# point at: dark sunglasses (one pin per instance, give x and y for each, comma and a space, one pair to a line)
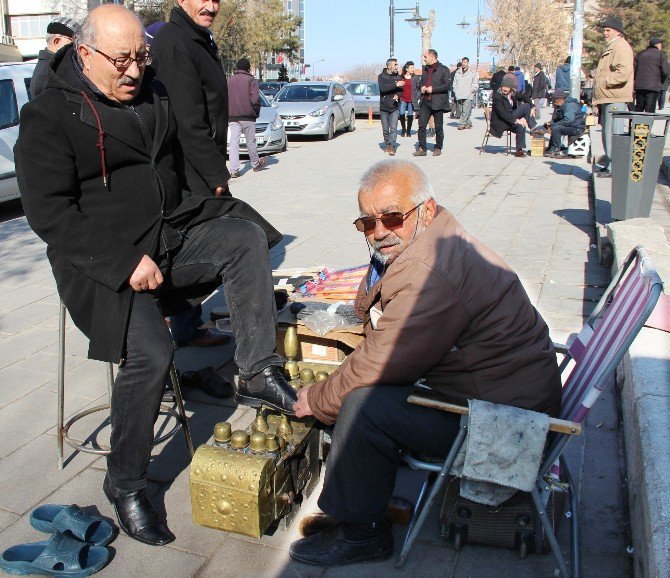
391, 220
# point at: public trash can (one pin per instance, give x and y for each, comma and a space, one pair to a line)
636, 157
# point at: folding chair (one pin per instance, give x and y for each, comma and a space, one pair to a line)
589, 362
487, 134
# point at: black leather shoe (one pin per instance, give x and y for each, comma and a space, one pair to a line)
137, 517
269, 387
332, 548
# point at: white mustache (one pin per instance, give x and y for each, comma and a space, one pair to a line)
386, 243
127, 80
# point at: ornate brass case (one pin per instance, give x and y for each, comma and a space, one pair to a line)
242, 491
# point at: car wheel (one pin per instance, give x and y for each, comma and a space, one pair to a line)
285, 147
351, 127
330, 129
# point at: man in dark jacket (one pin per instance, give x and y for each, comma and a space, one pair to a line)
187, 62
390, 91
651, 71
60, 32
244, 106
539, 90
512, 111
568, 119
563, 76
123, 232
435, 89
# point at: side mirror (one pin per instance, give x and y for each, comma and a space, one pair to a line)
337, 97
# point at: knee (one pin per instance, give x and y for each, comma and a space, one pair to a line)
159, 353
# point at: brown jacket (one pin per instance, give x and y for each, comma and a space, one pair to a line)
454, 313
613, 81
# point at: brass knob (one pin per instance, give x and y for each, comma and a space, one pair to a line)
292, 369
260, 424
284, 428
239, 439
321, 376
222, 431
291, 343
257, 442
271, 443
306, 375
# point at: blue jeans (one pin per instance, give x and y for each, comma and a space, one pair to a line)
406, 108
389, 126
557, 131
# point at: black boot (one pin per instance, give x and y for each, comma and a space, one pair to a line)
402, 124
268, 387
410, 120
137, 517
337, 546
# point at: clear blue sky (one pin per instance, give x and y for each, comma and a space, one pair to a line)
349, 32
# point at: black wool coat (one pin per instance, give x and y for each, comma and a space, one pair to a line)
187, 62
651, 69
97, 232
441, 82
501, 115
388, 91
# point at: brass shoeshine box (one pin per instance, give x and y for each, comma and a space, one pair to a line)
246, 491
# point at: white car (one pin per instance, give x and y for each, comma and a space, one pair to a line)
14, 93
270, 134
315, 108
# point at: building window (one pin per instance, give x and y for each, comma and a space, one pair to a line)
30, 26
289, 6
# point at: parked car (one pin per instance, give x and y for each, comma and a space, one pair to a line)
270, 134
366, 95
485, 93
14, 93
315, 108
271, 88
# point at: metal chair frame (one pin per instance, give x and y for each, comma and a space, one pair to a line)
63, 428
578, 397
487, 134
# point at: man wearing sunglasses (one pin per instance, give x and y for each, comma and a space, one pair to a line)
437, 305
129, 244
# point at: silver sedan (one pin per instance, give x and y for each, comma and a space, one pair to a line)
315, 108
270, 135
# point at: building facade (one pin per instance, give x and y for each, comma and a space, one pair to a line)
294, 67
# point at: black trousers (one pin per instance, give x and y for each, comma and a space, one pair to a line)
522, 111
234, 251
425, 112
374, 424
646, 100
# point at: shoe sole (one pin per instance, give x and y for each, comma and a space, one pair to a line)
125, 530
385, 555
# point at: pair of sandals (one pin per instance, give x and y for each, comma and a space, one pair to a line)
77, 547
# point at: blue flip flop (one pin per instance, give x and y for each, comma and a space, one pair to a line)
72, 521
61, 555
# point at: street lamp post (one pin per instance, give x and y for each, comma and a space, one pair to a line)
465, 24
392, 12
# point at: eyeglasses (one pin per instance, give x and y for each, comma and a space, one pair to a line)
123, 62
391, 220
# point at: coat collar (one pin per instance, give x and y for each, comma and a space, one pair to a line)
198, 33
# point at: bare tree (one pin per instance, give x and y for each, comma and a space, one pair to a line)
529, 31
362, 72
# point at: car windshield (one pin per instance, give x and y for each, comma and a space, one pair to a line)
303, 93
485, 85
269, 87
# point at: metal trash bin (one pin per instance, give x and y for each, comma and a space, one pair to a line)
636, 158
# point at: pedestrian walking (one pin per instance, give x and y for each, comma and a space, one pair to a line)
435, 88
651, 71
539, 90
613, 83
243, 109
465, 86
390, 90
406, 106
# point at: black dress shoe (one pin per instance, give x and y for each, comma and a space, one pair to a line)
332, 548
269, 387
604, 174
137, 517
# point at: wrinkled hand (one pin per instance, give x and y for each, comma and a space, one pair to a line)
147, 276
429, 89
301, 407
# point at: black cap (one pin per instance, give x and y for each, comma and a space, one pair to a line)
243, 64
510, 69
560, 93
63, 26
613, 22
655, 41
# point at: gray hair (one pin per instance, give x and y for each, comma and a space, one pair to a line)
387, 171
390, 60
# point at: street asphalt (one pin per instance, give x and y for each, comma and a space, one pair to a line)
535, 212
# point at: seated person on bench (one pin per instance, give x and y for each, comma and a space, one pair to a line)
513, 111
439, 305
568, 119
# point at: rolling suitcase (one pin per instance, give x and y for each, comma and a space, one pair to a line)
513, 524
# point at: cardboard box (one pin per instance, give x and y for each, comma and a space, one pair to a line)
537, 144
331, 348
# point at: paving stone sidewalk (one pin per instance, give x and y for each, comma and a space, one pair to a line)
535, 212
